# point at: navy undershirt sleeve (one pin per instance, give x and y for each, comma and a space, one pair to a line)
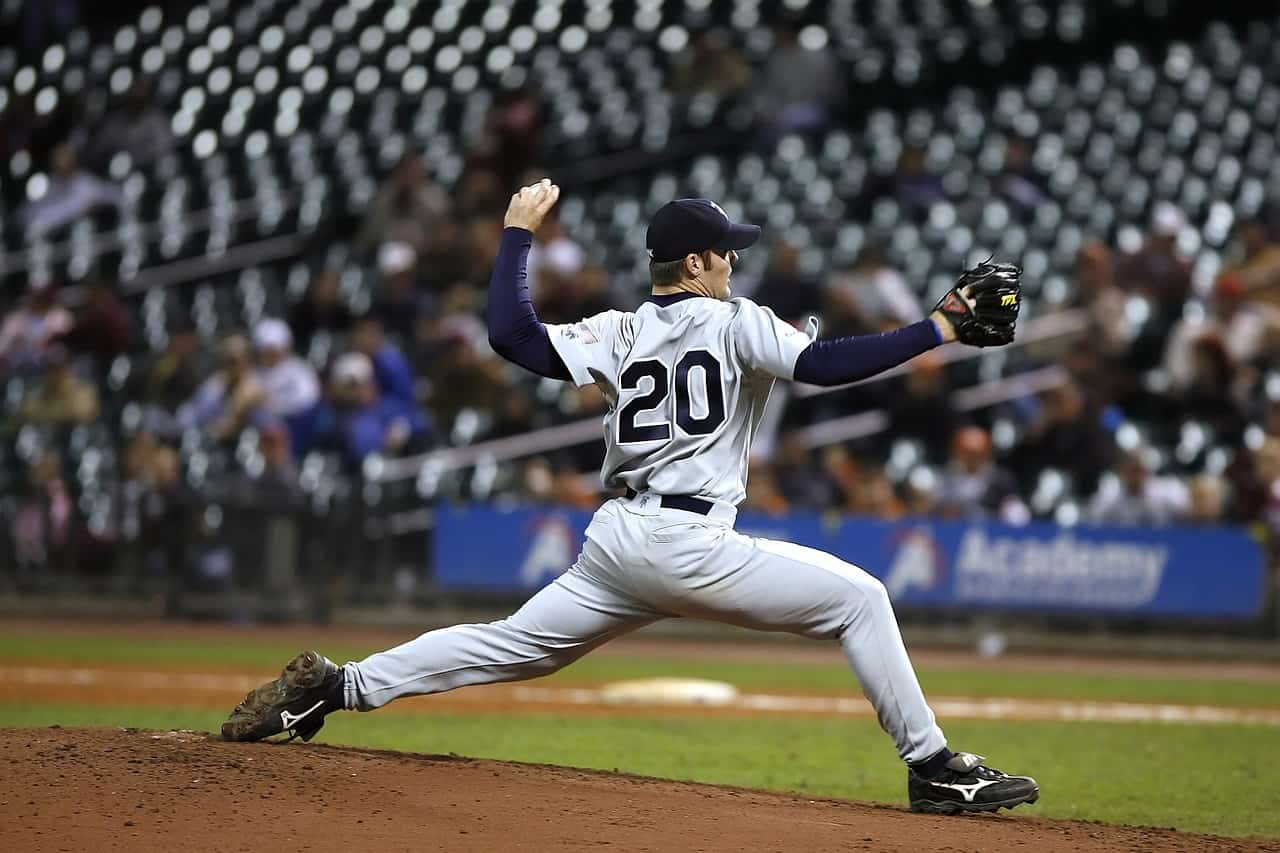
843, 360
515, 332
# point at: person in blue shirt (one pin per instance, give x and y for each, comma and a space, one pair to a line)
391, 368
368, 420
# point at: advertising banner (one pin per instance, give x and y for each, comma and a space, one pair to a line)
1216, 573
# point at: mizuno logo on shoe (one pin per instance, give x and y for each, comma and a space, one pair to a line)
289, 721
967, 791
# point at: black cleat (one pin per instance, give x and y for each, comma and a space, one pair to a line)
967, 785
296, 702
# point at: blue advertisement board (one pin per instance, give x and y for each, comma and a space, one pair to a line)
1214, 573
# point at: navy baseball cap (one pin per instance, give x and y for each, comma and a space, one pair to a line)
691, 225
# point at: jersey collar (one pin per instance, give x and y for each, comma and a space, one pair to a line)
670, 298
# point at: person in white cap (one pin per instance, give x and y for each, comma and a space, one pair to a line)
291, 385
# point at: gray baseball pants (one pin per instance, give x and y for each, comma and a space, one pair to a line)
641, 563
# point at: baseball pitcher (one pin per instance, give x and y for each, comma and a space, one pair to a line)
686, 376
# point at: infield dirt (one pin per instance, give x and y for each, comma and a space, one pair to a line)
125, 789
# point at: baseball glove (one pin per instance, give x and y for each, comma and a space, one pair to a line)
983, 305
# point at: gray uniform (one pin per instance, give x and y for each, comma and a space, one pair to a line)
686, 384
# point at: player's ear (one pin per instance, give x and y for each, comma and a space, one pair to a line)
692, 264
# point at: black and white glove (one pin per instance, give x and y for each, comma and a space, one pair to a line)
983, 305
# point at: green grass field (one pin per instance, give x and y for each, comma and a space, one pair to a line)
1128, 773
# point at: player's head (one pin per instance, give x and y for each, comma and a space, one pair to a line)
693, 245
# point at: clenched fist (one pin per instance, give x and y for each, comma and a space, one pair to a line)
529, 206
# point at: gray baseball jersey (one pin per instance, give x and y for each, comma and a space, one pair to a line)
686, 385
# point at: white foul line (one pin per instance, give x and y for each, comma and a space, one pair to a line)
949, 707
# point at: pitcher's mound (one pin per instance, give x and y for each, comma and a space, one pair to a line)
88, 789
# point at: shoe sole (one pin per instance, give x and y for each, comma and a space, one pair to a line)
260, 720
950, 807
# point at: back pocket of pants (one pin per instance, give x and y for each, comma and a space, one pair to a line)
681, 532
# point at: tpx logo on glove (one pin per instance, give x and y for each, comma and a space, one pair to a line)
1009, 299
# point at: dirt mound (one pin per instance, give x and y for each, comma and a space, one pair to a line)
79, 789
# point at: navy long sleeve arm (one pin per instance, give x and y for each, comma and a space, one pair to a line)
842, 360
515, 333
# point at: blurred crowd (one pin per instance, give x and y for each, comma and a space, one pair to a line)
1167, 408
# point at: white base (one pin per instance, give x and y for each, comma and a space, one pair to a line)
670, 691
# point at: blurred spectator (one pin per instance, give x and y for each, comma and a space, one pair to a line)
763, 494
391, 369
101, 326
477, 255
870, 297
1158, 270
555, 259
1213, 393
920, 406
228, 400
458, 316
845, 473
572, 489
537, 480
479, 192
710, 65
921, 492
1135, 497
973, 486
291, 389
512, 135
800, 485
276, 484
1067, 434
1254, 261
28, 331
162, 508
567, 299
915, 186
877, 497
515, 413
138, 127
1096, 292
370, 421
465, 375
398, 304
322, 309
44, 526
592, 292
1018, 182
175, 374
1247, 330
62, 399
406, 208
446, 258
798, 87
1207, 496
860, 489
786, 288
72, 193
1096, 356
557, 484
1246, 476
